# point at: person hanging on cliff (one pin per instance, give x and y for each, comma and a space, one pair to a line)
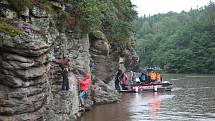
64, 64
84, 87
117, 79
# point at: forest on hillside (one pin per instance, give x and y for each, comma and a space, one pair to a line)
178, 42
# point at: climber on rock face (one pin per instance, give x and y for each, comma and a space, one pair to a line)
84, 87
64, 64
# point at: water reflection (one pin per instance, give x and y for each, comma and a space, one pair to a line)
147, 105
155, 105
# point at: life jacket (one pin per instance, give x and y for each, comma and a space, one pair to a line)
158, 77
153, 76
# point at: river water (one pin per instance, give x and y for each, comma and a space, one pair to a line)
191, 99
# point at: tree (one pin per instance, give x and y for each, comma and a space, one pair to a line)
178, 43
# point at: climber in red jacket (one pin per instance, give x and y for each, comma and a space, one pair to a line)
84, 87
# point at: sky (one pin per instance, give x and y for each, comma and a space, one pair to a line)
151, 7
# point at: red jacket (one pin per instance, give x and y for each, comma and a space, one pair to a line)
85, 83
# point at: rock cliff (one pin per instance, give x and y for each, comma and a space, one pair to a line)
103, 65
30, 83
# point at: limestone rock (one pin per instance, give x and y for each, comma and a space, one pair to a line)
14, 57
39, 12
131, 58
24, 66
10, 14
5, 10
32, 72
99, 43
25, 45
25, 12
56, 4
10, 81
104, 66
105, 93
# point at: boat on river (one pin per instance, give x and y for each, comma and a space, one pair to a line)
155, 87
143, 80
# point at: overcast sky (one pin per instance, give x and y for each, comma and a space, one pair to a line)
151, 7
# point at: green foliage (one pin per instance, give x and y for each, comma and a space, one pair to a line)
117, 22
97, 35
112, 17
20, 5
47, 6
178, 43
9, 29
89, 14
61, 21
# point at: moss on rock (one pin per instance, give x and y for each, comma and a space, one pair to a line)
98, 35
9, 29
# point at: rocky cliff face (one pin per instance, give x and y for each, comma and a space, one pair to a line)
30, 83
64, 105
104, 64
24, 75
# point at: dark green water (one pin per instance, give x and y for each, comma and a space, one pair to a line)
192, 99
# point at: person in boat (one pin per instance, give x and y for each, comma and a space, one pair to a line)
131, 77
137, 80
124, 81
117, 79
149, 74
158, 77
84, 87
153, 76
143, 78
64, 65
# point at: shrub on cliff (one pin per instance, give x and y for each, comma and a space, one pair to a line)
88, 14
